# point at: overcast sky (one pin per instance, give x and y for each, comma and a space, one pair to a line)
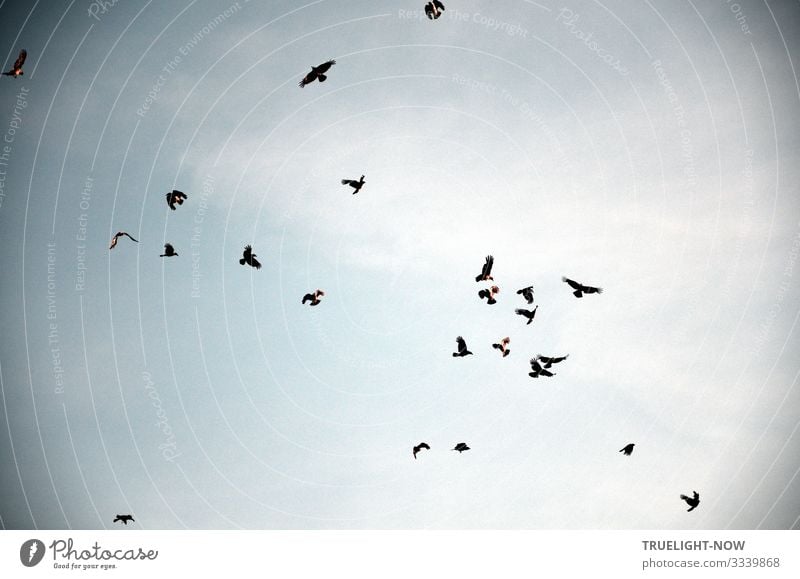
650, 148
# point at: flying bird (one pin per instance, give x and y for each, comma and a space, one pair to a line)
419, 447
537, 370
527, 293
461, 447
16, 70
489, 294
503, 346
356, 185
249, 258
530, 314
176, 197
581, 289
169, 251
486, 272
692, 502
314, 298
627, 449
124, 519
117, 235
434, 9
317, 73
462, 348
550, 361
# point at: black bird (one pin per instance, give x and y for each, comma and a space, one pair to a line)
356, 185
176, 197
124, 519
503, 346
462, 348
16, 70
169, 251
249, 258
527, 293
314, 298
461, 447
486, 272
537, 370
117, 235
489, 294
434, 9
530, 314
550, 361
317, 73
419, 447
692, 502
581, 289
627, 449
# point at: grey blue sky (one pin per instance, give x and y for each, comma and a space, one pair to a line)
651, 148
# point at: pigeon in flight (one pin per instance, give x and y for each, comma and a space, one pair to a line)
124, 519
176, 197
627, 449
16, 70
530, 314
317, 73
462, 348
581, 289
116, 237
249, 258
489, 294
314, 298
550, 361
537, 370
486, 272
356, 185
503, 346
691, 501
434, 9
527, 293
169, 251
419, 447
461, 447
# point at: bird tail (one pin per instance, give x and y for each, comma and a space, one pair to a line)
241, 261
506, 353
322, 78
455, 355
578, 293
497, 346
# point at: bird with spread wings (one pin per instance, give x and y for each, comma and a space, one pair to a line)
249, 258
317, 73
462, 348
16, 70
581, 289
486, 272
176, 197
116, 237
434, 9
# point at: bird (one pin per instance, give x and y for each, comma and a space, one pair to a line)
317, 73
249, 258
489, 294
503, 346
356, 185
314, 298
527, 293
461, 447
581, 289
530, 314
434, 9
537, 370
419, 447
16, 70
462, 348
124, 519
169, 251
486, 272
627, 449
692, 502
117, 235
176, 197
550, 361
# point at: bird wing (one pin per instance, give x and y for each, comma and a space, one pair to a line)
23, 54
429, 10
349, 182
309, 78
521, 312
255, 263
462, 345
323, 68
487, 266
592, 290
128, 235
168, 248
438, 4
573, 284
424, 445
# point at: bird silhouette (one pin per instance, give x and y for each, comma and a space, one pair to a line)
530, 314
249, 258
503, 346
16, 70
486, 272
176, 197
434, 9
169, 251
461, 447
317, 73
692, 502
116, 237
537, 370
462, 348
581, 289
627, 449
489, 294
124, 519
356, 185
527, 293
550, 361
314, 297
419, 447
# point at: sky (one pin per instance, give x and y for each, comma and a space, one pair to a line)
651, 149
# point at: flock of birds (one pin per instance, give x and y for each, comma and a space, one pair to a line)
540, 365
